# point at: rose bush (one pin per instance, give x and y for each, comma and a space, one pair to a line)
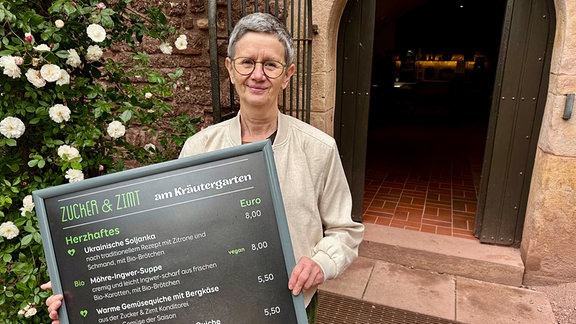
66, 111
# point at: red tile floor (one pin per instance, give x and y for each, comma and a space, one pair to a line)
424, 175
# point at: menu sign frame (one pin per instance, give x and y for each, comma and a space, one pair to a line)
202, 239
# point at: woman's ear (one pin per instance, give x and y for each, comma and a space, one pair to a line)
289, 72
228, 64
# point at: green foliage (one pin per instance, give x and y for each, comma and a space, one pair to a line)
38, 35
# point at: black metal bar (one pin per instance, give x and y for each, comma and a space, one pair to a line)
229, 16
285, 98
231, 92
307, 107
304, 60
214, 73
276, 8
290, 98
299, 61
277, 11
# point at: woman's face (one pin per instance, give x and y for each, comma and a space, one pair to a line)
256, 89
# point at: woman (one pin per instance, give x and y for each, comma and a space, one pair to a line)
313, 184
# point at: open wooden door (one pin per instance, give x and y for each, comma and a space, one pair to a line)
518, 103
354, 66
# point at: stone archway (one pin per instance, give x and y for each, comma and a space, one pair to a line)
550, 224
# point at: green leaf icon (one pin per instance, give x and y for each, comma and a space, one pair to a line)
84, 313
71, 252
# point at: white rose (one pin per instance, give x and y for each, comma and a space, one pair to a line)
10, 65
27, 205
166, 49
96, 33
13, 71
116, 129
68, 152
73, 58
9, 230
6, 60
59, 23
42, 48
50, 72
12, 127
181, 43
64, 78
30, 312
35, 78
59, 113
94, 53
148, 95
74, 175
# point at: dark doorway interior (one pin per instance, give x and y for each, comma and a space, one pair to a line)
432, 80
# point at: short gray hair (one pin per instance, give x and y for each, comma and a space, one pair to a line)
262, 22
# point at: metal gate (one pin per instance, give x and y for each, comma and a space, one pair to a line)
297, 16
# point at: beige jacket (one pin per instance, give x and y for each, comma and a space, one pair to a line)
314, 189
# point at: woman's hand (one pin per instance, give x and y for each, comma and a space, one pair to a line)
305, 275
53, 302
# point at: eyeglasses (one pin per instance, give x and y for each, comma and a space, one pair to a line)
245, 66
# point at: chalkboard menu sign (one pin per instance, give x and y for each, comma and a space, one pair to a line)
202, 239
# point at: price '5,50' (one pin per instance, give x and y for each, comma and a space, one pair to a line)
272, 311
265, 278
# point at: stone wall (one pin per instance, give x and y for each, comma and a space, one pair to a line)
548, 246
189, 17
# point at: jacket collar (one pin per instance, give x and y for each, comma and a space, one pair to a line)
235, 130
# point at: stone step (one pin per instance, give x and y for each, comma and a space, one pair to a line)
387, 291
455, 279
443, 254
